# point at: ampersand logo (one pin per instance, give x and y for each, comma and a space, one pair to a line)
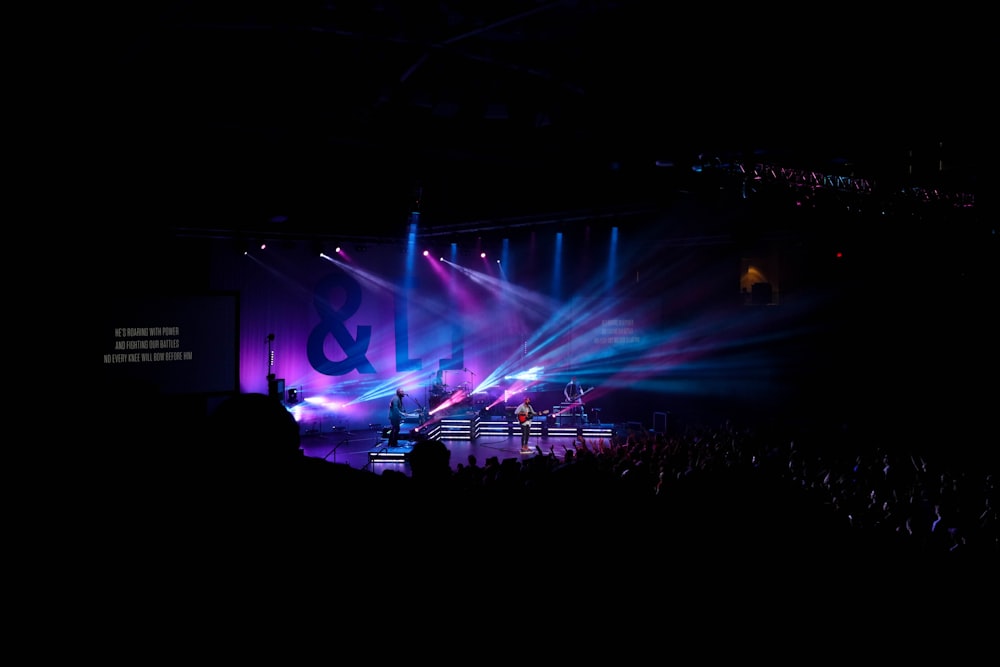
332, 323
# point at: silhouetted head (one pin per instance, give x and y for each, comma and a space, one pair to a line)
430, 459
254, 425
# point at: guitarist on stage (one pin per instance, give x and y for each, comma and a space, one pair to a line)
574, 394
525, 413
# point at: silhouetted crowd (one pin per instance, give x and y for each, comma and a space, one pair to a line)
899, 500
707, 490
764, 490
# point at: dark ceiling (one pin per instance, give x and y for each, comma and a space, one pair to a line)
343, 118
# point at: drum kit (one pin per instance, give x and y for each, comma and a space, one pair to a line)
441, 393
445, 392
461, 394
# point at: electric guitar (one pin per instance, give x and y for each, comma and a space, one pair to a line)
523, 417
579, 398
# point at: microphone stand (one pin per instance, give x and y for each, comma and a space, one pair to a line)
335, 448
270, 362
420, 408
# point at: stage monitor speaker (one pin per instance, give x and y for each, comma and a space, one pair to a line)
276, 388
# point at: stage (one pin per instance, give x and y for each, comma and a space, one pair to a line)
459, 428
464, 435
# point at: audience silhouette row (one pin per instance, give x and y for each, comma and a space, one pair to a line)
699, 491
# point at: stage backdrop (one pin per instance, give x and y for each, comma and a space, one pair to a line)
644, 325
342, 332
